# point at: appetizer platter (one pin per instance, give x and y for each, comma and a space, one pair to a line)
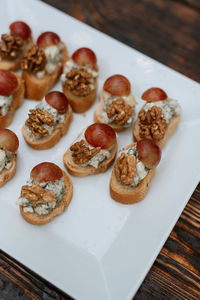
102, 220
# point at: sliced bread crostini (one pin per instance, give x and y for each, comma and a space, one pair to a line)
117, 104
92, 152
11, 96
42, 65
133, 171
48, 122
46, 195
158, 119
14, 44
9, 144
79, 79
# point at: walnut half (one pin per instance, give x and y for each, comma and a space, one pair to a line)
78, 81
36, 194
10, 45
125, 168
152, 123
34, 60
122, 111
81, 153
36, 118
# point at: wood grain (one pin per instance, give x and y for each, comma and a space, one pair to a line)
168, 31
176, 271
18, 282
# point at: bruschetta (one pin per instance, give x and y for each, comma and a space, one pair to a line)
158, 119
42, 65
9, 144
79, 79
117, 104
133, 171
47, 193
14, 44
92, 152
11, 96
48, 121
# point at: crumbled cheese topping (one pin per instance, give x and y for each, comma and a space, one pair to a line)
44, 209
5, 159
58, 118
2, 159
170, 107
54, 56
141, 170
108, 99
28, 209
98, 158
57, 187
5, 103
71, 64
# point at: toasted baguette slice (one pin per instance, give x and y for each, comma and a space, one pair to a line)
18, 98
125, 193
50, 141
98, 119
79, 171
98, 111
6, 175
37, 88
14, 65
35, 219
171, 128
80, 104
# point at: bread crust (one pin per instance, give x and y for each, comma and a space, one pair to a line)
14, 65
35, 219
80, 104
50, 141
6, 175
37, 88
98, 111
18, 98
80, 171
126, 194
171, 128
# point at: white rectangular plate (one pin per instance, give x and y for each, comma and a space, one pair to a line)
99, 249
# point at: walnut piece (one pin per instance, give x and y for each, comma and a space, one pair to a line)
152, 123
10, 45
78, 82
36, 194
122, 111
36, 119
34, 60
81, 153
125, 168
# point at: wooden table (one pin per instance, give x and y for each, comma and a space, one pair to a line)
168, 31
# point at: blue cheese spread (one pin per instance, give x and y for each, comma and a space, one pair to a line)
108, 99
141, 170
5, 103
54, 56
5, 159
98, 158
57, 187
170, 107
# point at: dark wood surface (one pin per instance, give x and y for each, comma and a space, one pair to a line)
168, 31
